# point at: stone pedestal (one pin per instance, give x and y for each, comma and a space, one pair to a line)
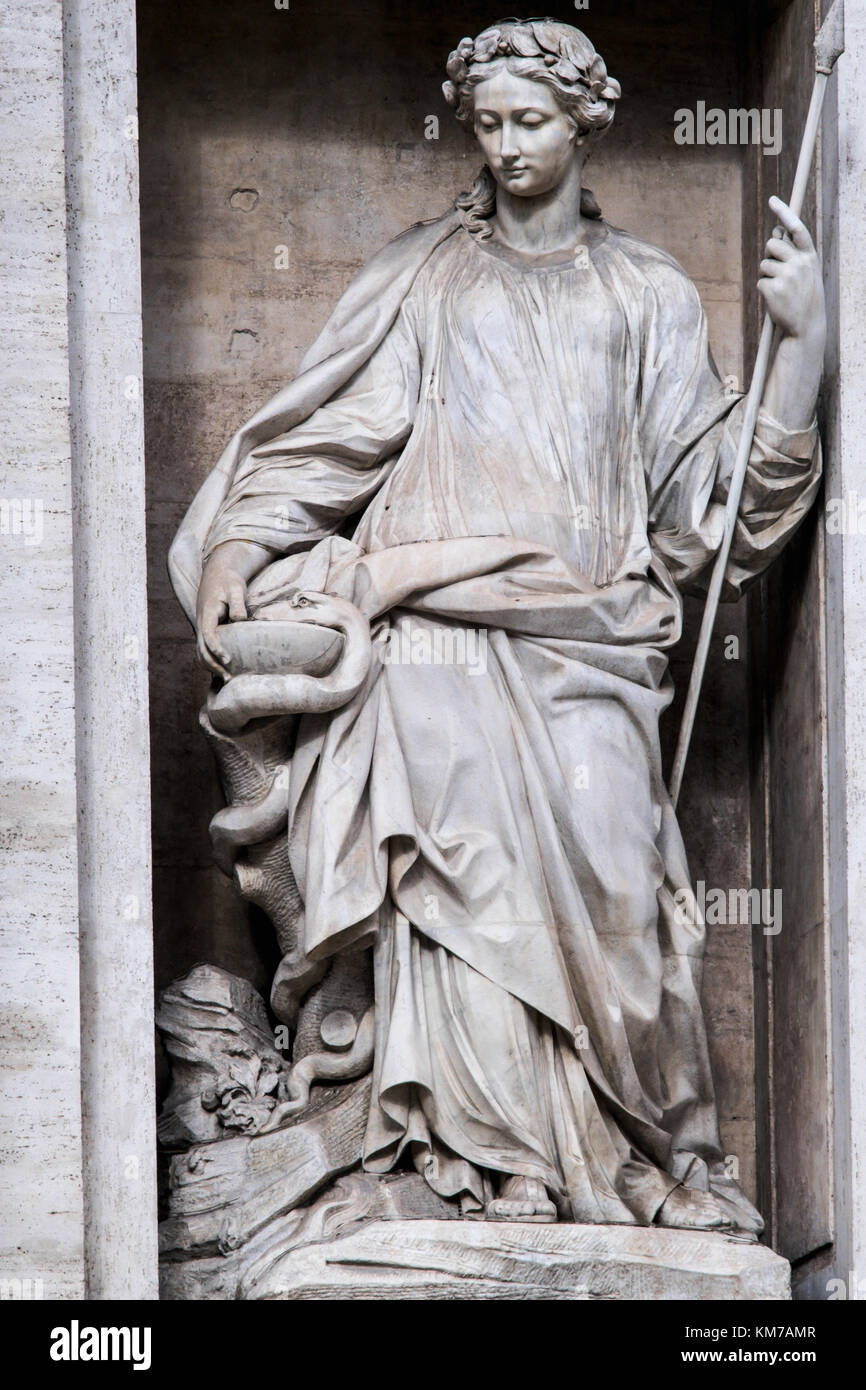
484, 1260
261, 1214
492, 1260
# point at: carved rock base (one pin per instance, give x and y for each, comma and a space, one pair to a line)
287, 1214
356, 1242
492, 1260
245, 1268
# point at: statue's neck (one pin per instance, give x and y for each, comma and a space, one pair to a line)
539, 226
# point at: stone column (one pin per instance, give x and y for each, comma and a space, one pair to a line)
843, 175
77, 1115
40, 1119
110, 573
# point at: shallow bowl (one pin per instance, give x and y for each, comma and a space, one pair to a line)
280, 648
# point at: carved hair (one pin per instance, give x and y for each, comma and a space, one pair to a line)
543, 50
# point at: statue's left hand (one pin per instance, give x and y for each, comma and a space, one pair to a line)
222, 596
790, 281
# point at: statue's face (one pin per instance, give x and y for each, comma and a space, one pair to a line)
528, 141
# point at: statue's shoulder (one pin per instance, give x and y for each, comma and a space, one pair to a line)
373, 298
414, 245
650, 264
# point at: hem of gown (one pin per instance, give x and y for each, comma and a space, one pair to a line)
479, 1195
573, 1145
439, 1149
640, 1208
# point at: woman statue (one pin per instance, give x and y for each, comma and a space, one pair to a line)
512, 426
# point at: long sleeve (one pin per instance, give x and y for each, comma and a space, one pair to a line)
294, 489
690, 431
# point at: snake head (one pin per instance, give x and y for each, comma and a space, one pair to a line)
326, 610
305, 599
304, 606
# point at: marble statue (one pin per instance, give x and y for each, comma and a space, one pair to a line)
437, 579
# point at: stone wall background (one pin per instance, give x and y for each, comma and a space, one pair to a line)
305, 128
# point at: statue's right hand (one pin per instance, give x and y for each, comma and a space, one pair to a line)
221, 595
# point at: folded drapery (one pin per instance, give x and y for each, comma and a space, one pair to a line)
539, 454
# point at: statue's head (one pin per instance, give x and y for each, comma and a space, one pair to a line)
536, 94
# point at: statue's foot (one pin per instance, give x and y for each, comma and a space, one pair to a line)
522, 1199
685, 1209
746, 1219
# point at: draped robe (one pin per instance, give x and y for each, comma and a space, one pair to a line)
535, 451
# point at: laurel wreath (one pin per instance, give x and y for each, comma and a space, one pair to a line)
535, 39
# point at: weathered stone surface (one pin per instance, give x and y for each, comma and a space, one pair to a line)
40, 1087
223, 1193
239, 1272
211, 1023
76, 1121
843, 174
488, 1260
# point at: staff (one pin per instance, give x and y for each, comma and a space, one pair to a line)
829, 44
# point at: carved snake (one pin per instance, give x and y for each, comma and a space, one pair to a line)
249, 696
324, 1066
